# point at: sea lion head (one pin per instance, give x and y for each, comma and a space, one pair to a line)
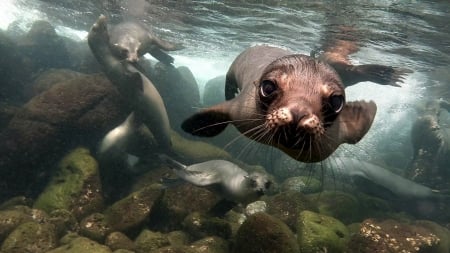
298, 105
258, 183
301, 98
127, 47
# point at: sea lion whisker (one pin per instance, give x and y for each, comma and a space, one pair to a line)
256, 129
226, 122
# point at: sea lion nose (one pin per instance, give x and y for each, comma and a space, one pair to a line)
311, 124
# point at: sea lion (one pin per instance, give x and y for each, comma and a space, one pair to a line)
145, 101
290, 101
394, 184
223, 178
130, 40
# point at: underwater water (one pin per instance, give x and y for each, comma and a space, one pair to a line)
387, 193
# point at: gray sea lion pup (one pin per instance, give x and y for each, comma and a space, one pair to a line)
224, 178
142, 96
290, 101
130, 40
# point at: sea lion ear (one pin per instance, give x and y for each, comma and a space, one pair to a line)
355, 120
207, 123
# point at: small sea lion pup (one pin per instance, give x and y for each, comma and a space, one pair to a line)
293, 102
130, 40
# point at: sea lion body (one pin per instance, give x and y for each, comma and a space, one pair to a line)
290, 101
130, 40
224, 178
140, 93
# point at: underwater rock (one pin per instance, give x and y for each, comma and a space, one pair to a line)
81, 244
179, 201
256, 207
263, 233
393, 236
441, 232
337, 204
212, 244
50, 77
199, 225
178, 238
149, 240
214, 91
16, 201
78, 111
64, 222
43, 48
287, 206
131, 211
95, 227
30, 237
7, 112
118, 240
321, 233
76, 186
302, 184
9, 220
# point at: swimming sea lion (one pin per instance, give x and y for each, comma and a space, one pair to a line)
396, 185
290, 101
130, 40
224, 178
142, 96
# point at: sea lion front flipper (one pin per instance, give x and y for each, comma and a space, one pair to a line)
209, 122
165, 45
384, 75
355, 120
161, 56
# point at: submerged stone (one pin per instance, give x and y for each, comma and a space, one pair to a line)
9, 220
262, 233
95, 227
31, 237
118, 240
302, 184
149, 240
81, 244
133, 210
321, 233
199, 225
76, 187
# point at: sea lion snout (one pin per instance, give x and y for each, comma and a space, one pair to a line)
296, 119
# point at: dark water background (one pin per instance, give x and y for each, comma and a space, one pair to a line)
409, 34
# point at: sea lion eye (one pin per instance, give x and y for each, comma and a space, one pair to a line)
336, 103
267, 88
267, 184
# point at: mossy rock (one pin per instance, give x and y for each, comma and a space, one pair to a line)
321, 233
11, 219
287, 205
149, 240
76, 187
81, 244
214, 244
131, 211
262, 233
64, 222
118, 240
441, 232
30, 237
199, 225
337, 204
95, 227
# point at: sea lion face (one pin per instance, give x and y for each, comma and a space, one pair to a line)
127, 48
301, 98
258, 183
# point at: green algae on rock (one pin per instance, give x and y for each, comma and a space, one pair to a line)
30, 237
95, 227
76, 186
9, 220
148, 240
287, 205
81, 244
200, 225
267, 234
131, 211
302, 184
337, 204
118, 240
321, 233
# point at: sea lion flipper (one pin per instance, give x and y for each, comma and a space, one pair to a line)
165, 45
381, 74
355, 120
207, 123
161, 56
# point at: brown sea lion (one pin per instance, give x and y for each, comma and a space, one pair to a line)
130, 40
142, 96
290, 101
